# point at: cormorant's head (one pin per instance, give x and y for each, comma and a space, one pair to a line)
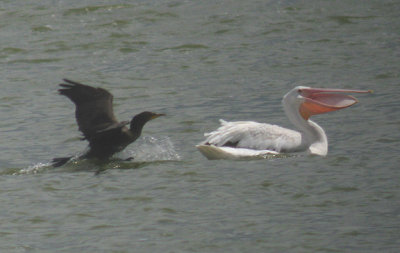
140, 119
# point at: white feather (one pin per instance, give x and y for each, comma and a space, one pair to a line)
254, 136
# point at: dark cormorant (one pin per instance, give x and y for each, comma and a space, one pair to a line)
96, 120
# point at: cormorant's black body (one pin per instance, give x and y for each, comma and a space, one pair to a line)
96, 120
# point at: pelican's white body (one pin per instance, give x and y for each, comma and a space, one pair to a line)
253, 140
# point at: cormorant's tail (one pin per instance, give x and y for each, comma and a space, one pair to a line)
60, 161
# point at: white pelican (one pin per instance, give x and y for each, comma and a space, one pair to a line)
243, 139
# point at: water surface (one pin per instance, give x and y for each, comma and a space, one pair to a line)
198, 61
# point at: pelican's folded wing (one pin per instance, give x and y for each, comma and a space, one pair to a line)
253, 135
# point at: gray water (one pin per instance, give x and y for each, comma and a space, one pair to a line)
198, 61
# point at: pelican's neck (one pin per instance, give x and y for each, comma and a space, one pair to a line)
313, 136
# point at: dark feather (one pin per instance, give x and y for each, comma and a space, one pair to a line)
94, 110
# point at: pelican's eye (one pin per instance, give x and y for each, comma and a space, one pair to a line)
299, 91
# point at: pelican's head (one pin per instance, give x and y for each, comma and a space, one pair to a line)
308, 101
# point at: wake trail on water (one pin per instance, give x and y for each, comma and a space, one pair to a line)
146, 150
33, 169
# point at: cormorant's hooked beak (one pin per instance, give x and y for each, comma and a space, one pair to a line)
318, 101
156, 115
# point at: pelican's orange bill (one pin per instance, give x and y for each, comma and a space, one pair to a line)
319, 100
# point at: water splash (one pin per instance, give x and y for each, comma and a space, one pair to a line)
150, 149
33, 169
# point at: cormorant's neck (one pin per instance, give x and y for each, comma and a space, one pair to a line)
136, 127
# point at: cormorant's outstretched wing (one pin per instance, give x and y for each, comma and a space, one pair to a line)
94, 110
